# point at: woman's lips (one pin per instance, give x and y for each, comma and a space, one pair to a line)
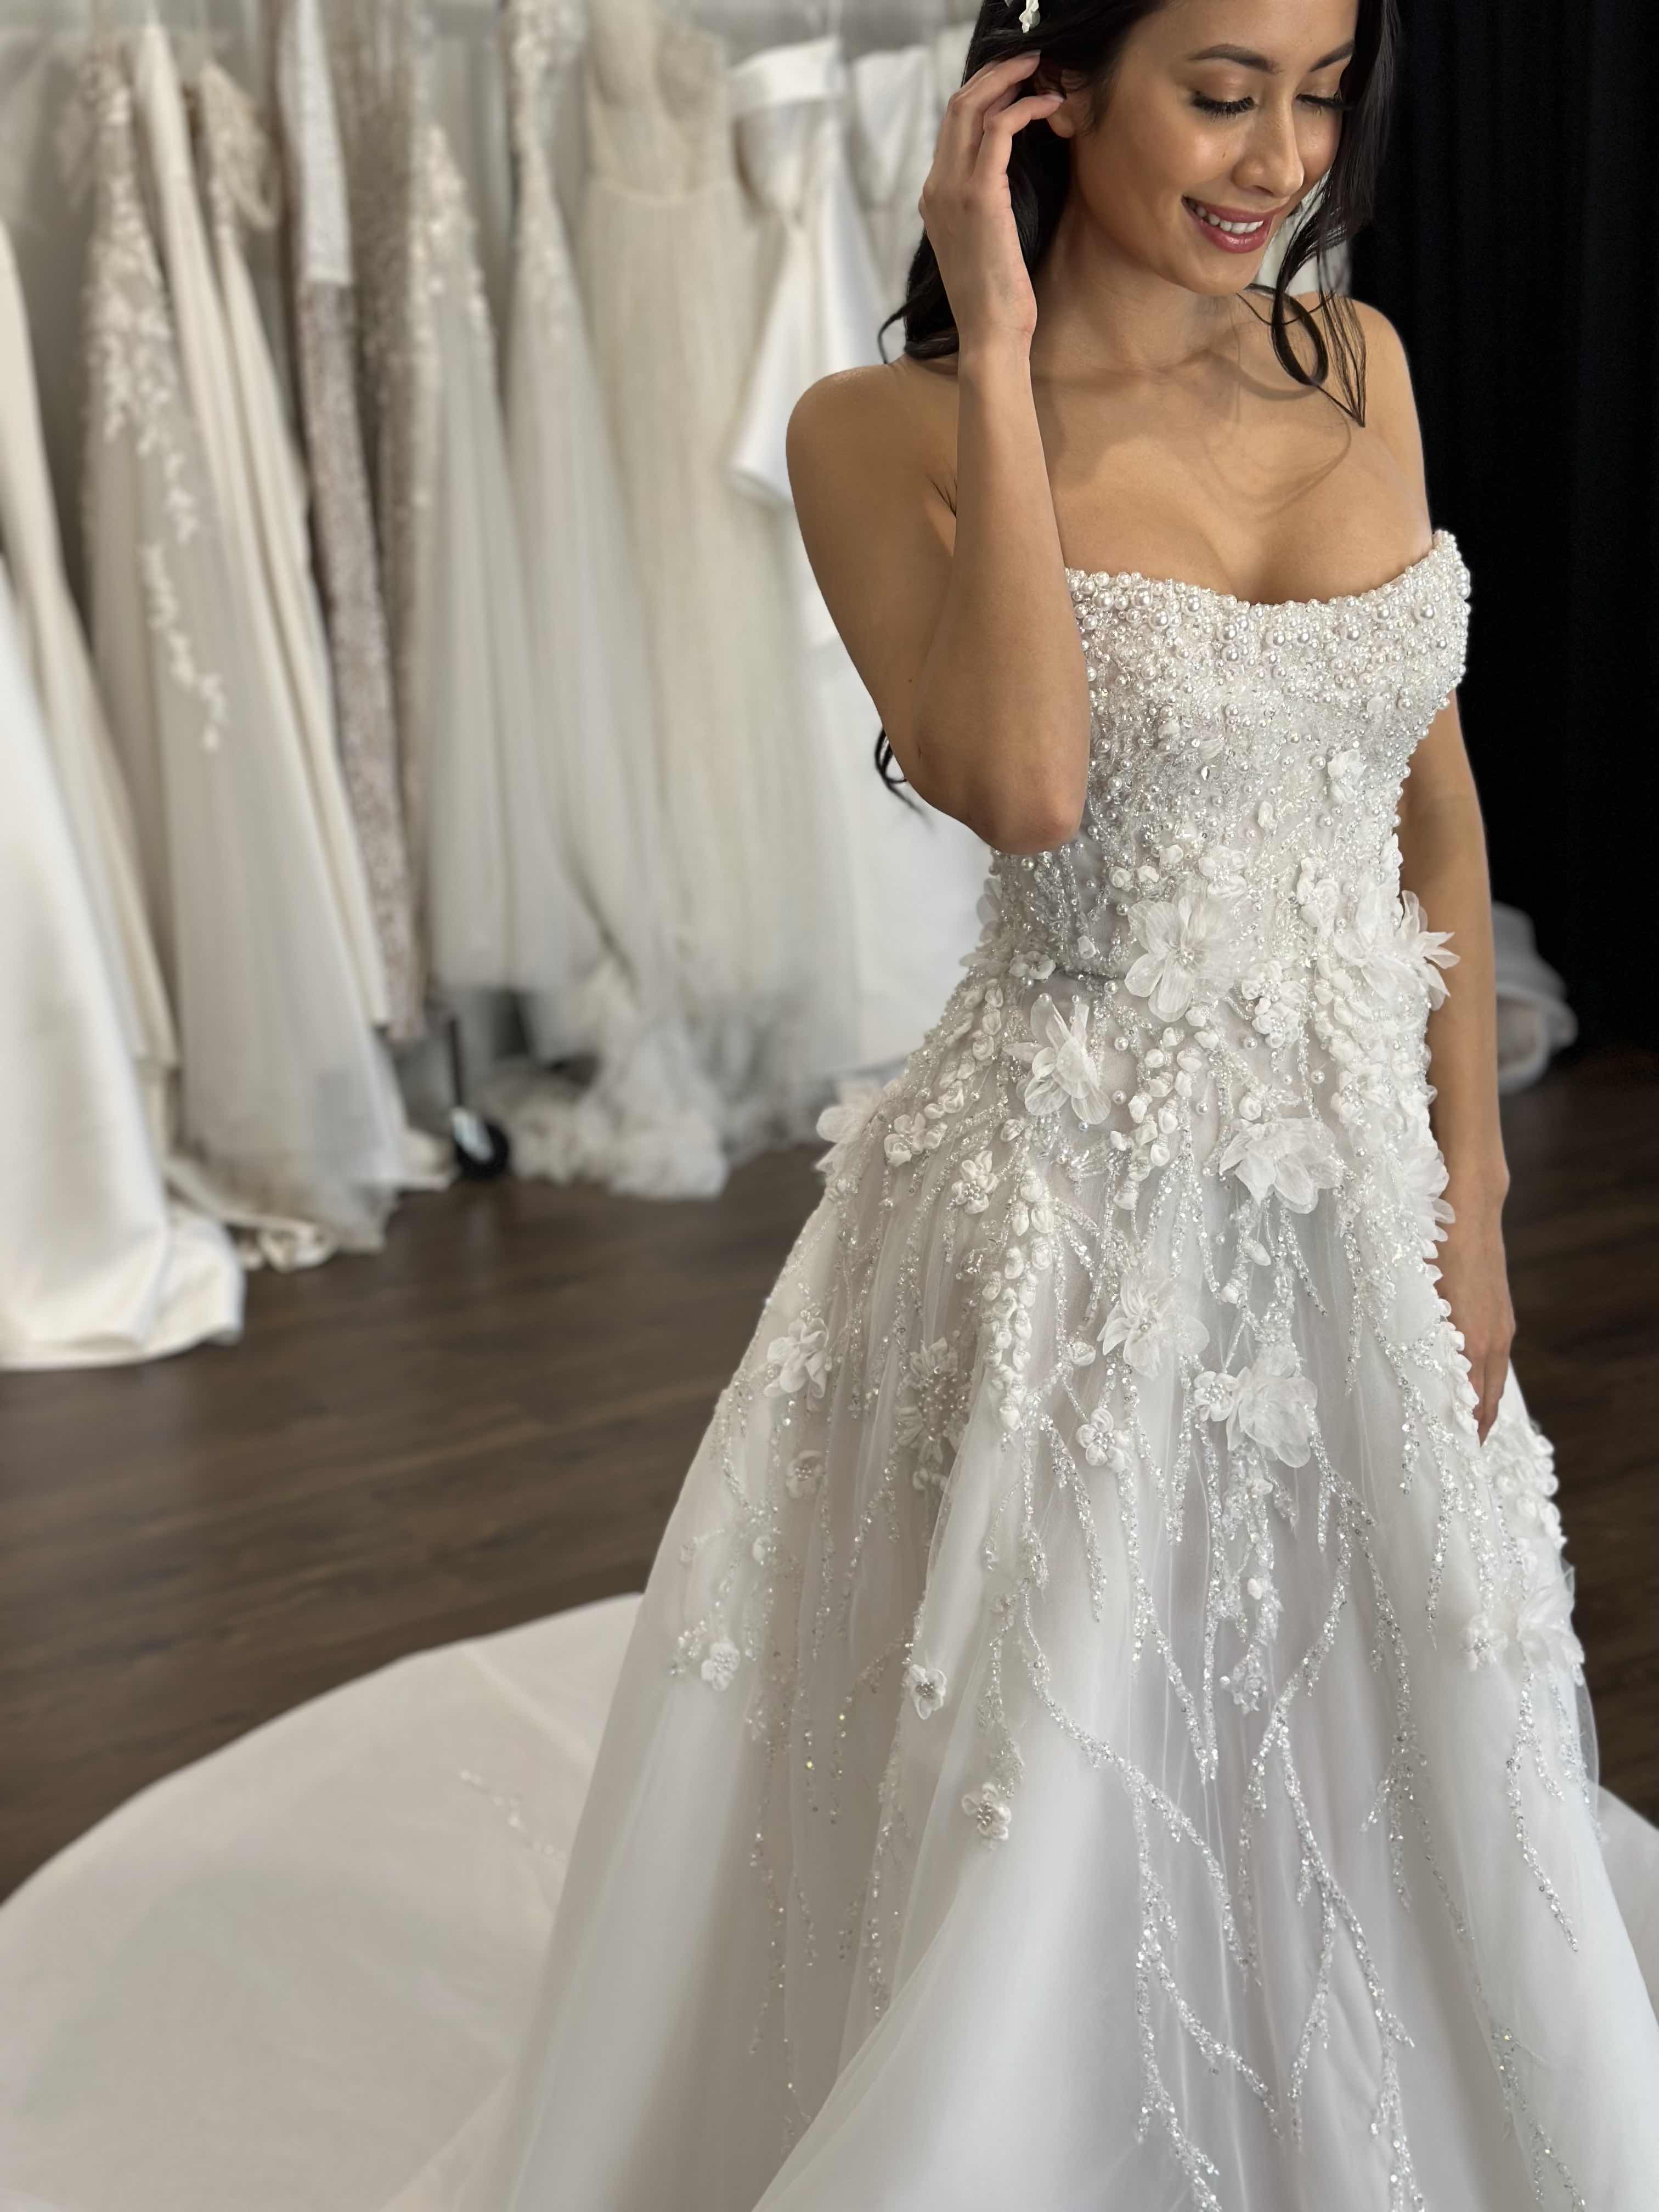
1247, 234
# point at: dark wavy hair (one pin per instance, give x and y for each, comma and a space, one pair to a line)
1083, 39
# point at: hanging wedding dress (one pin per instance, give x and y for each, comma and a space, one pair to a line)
257, 477
325, 356
93, 794
896, 119
501, 909
587, 630
285, 1122
647, 1124
96, 1267
1099, 1730
916, 874
755, 885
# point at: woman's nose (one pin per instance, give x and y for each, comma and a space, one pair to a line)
1273, 161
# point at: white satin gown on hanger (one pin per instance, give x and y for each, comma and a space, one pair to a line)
915, 873
96, 1266
88, 773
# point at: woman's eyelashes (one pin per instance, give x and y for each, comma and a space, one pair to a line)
1333, 105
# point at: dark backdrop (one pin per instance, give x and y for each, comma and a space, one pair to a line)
1515, 251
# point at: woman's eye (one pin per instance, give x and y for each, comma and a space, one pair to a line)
1333, 106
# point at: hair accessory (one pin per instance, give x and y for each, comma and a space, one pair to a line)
1030, 16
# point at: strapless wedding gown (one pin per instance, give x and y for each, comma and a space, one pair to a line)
1099, 1731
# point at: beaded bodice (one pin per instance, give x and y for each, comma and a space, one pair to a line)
1247, 762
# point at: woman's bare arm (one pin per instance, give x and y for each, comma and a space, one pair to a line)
960, 624
1444, 860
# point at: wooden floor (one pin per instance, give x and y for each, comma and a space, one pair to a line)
491, 1420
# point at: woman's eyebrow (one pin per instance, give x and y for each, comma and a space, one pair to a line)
1244, 56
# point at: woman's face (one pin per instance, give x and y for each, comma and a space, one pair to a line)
1221, 111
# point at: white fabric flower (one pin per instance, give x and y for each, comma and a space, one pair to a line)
804, 1472
912, 1134
1344, 770
721, 1664
975, 1181
1148, 1321
1537, 1627
1543, 1626
1319, 897
926, 1686
1268, 1401
1296, 1156
1063, 1069
1416, 1176
1221, 867
990, 1812
1186, 942
1099, 1446
1425, 951
800, 1361
843, 1124
1384, 944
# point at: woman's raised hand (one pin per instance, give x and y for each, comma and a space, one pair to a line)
966, 208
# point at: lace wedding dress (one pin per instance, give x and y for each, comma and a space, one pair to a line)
343, 520
289, 1122
1099, 1729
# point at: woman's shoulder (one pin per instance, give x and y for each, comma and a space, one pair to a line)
1391, 409
899, 416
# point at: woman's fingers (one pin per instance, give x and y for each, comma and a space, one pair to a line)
1488, 1371
1494, 1374
966, 110
1002, 127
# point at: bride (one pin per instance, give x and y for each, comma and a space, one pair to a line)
1104, 1728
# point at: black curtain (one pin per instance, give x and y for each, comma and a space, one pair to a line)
1515, 252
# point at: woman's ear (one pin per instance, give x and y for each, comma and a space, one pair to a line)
1068, 117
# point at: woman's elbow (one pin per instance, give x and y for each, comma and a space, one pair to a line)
1030, 819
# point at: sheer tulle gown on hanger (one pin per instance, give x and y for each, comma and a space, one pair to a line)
756, 883
647, 1123
1099, 1729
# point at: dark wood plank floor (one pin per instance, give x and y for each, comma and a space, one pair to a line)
491, 1420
